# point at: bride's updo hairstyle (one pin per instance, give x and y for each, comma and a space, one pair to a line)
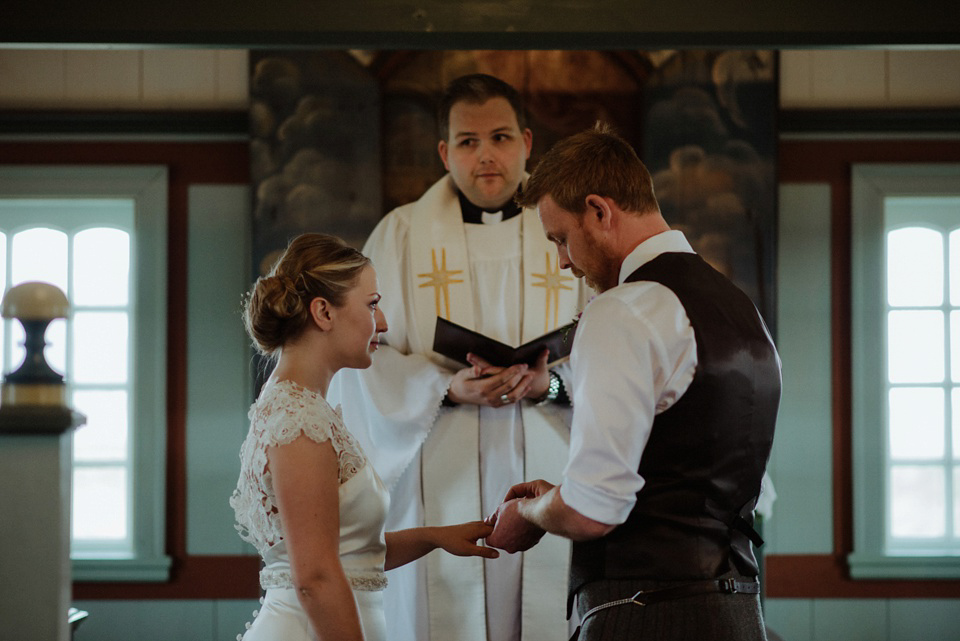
277, 309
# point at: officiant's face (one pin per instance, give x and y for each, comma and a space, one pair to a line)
579, 248
485, 151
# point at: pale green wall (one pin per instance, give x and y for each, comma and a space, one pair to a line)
168, 620
801, 464
864, 619
219, 387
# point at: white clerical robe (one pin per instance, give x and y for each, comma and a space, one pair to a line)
449, 465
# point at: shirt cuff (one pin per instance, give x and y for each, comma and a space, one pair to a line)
594, 504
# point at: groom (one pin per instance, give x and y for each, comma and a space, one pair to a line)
676, 385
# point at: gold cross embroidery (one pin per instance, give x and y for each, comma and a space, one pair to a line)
440, 278
553, 282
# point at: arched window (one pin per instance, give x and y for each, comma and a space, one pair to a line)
99, 234
906, 313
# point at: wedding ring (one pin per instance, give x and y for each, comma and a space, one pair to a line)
504, 399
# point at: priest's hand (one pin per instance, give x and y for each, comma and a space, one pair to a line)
486, 384
511, 532
535, 384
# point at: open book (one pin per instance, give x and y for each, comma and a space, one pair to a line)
454, 341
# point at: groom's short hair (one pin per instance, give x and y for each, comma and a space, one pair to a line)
595, 161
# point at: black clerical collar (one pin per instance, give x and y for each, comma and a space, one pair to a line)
473, 214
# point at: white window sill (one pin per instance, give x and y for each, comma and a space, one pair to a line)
104, 570
870, 566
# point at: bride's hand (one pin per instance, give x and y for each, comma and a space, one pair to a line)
461, 539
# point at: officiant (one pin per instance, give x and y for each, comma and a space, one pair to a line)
449, 439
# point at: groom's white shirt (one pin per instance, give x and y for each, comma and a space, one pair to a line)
634, 355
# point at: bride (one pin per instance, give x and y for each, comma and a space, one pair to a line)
307, 497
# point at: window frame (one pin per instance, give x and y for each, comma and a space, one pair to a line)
147, 186
871, 184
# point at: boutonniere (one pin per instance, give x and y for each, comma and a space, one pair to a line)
572, 327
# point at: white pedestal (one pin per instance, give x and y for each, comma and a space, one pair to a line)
35, 479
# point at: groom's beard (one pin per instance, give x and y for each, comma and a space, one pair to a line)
579, 274
599, 286
589, 281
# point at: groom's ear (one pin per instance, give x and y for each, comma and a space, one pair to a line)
600, 211
322, 313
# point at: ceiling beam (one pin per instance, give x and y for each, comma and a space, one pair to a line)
473, 24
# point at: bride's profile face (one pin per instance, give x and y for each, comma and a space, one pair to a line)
360, 321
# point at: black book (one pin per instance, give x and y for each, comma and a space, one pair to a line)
455, 341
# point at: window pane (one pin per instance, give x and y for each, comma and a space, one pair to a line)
99, 503
917, 501
955, 413
955, 345
40, 254
100, 347
3, 262
101, 267
914, 267
4, 350
956, 501
915, 344
955, 268
917, 423
104, 436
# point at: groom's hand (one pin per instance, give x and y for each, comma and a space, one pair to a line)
511, 532
528, 490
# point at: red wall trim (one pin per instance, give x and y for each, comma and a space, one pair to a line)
192, 577
827, 576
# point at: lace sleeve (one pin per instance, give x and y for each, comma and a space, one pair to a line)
294, 411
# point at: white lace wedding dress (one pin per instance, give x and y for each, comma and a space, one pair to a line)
283, 412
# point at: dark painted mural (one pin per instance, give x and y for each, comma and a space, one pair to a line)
340, 138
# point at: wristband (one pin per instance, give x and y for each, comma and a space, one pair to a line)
553, 391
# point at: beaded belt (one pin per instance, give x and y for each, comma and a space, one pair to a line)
364, 581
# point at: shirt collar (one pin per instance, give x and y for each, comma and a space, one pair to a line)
478, 216
668, 241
